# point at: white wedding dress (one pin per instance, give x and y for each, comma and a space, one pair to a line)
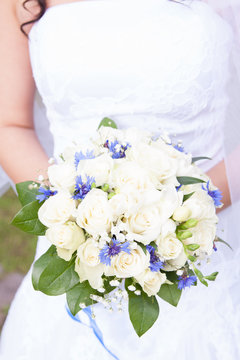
156, 65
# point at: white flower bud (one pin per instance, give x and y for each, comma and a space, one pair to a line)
131, 288
137, 292
82, 305
51, 161
114, 283
101, 290
133, 245
179, 272
181, 214
121, 237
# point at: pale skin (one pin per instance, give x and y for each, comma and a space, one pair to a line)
21, 154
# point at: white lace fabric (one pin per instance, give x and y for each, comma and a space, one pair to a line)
152, 64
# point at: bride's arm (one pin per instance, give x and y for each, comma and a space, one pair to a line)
21, 154
218, 175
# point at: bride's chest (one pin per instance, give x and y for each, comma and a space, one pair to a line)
148, 53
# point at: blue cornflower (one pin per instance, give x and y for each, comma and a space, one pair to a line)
216, 195
179, 147
155, 263
214, 246
178, 187
44, 194
80, 156
186, 281
113, 249
82, 188
117, 150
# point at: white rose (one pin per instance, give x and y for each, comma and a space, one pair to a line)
151, 281
134, 136
62, 176
128, 201
94, 213
146, 224
88, 264
65, 254
169, 247
57, 209
175, 264
158, 207
170, 200
184, 161
168, 227
203, 234
201, 206
130, 174
100, 168
158, 164
170, 150
119, 205
66, 236
126, 265
107, 133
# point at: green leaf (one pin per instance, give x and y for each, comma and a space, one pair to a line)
80, 293
200, 276
188, 180
27, 219
211, 277
187, 196
172, 276
218, 239
192, 247
192, 258
58, 276
170, 293
108, 123
153, 244
40, 265
197, 158
143, 310
26, 195
143, 247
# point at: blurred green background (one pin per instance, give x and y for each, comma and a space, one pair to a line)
17, 251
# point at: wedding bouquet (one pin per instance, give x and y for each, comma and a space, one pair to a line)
129, 217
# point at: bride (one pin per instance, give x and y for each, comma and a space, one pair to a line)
154, 64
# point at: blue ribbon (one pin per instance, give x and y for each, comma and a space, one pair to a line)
93, 325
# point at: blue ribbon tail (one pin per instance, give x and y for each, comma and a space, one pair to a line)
93, 325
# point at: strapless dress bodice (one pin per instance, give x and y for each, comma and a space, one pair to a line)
154, 64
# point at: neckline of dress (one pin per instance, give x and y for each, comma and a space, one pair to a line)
57, 7
65, 5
